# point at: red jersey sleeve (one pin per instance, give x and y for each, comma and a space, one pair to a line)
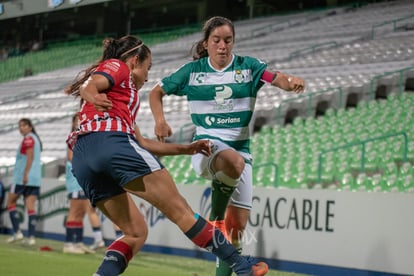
114, 70
28, 143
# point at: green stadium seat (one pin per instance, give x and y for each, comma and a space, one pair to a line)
286, 180
391, 183
377, 182
347, 182
391, 168
406, 183
406, 168
371, 163
362, 181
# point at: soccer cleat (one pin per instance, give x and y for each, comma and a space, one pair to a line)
253, 268
16, 237
31, 241
98, 244
259, 269
86, 249
71, 248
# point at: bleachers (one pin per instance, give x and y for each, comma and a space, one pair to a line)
363, 148
334, 50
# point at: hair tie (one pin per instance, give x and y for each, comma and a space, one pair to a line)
130, 50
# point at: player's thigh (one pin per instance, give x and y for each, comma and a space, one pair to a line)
223, 158
159, 189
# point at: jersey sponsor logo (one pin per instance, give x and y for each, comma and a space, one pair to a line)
112, 66
223, 98
209, 120
228, 120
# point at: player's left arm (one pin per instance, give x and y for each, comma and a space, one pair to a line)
284, 81
162, 149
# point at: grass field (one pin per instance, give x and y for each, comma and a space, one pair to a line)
19, 259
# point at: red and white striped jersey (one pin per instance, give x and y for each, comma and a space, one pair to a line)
125, 103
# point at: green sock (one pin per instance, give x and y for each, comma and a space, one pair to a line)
222, 269
220, 197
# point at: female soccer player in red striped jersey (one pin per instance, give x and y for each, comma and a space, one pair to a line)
112, 160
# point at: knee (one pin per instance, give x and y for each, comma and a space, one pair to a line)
134, 239
230, 162
237, 167
230, 171
138, 234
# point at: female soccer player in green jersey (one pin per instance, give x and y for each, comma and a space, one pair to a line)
221, 89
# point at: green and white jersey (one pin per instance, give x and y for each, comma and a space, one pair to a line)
221, 103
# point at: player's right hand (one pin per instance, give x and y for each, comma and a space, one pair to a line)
162, 130
101, 102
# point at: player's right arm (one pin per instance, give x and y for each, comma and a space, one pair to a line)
161, 129
91, 90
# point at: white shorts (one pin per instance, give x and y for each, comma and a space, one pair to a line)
242, 195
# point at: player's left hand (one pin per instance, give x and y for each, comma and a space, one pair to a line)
296, 84
200, 146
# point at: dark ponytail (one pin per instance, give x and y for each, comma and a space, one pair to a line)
120, 49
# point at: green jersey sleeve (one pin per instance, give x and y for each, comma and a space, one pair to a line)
257, 67
176, 83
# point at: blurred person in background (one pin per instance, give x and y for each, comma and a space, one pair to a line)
79, 206
2, 194
112, 160
27, 176
94, 216
221, 89
95, 222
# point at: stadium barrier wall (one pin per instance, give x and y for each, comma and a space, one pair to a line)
320, 232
